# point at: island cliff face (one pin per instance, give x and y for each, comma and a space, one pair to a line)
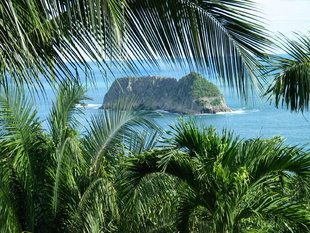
191, 94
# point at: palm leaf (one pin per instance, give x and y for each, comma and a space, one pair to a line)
22, 139
109, 128
46, 38
9, 219
150, 206
65, 149
290, 85
227, 179
40, 37
143, 141
220, 36
96, 208
64, 113
264, 157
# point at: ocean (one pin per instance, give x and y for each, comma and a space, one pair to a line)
256, 118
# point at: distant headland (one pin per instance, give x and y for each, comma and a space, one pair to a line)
192, 94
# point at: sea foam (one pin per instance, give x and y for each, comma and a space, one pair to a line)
89, 106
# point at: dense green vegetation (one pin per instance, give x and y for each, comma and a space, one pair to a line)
112, 178
215, 102
229, 185
200, 102
200, 87
58, 180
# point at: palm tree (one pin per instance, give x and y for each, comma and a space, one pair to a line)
225, 184
60, 181
37, 38
151, 208
290, 83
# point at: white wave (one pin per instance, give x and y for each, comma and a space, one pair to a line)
239, 111
162, 111
80, 106
88, 106
94, 105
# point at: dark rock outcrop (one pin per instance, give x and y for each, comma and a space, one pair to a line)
191, 94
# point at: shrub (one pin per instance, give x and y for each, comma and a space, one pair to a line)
217, 101
201, 87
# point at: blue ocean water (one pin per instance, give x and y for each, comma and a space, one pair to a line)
256, 118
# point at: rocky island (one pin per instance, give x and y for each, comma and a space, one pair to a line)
192, 94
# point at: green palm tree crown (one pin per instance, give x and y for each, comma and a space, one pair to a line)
57, 180
228, 185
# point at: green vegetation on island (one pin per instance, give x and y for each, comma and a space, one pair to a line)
216, 101
201, 87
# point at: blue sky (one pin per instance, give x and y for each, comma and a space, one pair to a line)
286, 16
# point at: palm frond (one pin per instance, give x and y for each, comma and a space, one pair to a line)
187, 135
9, 219
64, 113
290, 86
22, 139
111, 127
226, 180
64, 149
51, 38
271, 205
264, 157
97, 208
189, 201
296, 215
149, 207
222, 37
143, 141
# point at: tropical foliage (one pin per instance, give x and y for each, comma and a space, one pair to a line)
200, 87
110, 178
113, 179
48, 37
58, 180
38, 37
228, 185
221, 36
290, 86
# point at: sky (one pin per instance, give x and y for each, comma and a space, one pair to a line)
286, 16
